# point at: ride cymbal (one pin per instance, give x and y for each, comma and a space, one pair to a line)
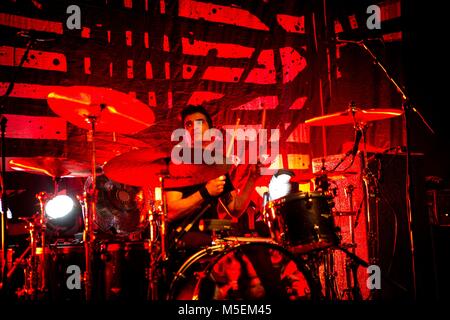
354, 116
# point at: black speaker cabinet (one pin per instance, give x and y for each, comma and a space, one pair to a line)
388, 203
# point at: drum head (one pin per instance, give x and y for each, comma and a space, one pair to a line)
248, 271
121, 209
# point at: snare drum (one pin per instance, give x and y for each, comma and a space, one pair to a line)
302, 221
243, 271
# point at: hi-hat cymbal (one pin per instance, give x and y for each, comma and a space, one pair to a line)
114, 111
50, 166
144, 167
107, 146
138, 167
354, 115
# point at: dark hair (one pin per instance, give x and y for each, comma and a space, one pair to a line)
190, 109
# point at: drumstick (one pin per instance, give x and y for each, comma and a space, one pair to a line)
263, 120
231, 145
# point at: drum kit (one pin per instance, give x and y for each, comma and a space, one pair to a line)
119, 243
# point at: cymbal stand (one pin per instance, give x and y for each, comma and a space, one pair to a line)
33, 277
91, 217
351, 268
163, 217
158, 254
152, 277
368, 186
42, 197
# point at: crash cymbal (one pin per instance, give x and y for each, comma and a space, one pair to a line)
143, 168
53, 167
354, 115
333, 175
114, 111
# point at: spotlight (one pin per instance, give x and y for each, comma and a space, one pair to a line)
8, 212
63, 216
59, 207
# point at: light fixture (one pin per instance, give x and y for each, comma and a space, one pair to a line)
280, 185
8, 212
63, 216
59, 207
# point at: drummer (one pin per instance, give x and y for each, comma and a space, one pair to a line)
186, 203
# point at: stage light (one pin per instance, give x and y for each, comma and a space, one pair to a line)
63, 215
8, 212
59, 207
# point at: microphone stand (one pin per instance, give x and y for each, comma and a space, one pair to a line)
3, 122
407, 109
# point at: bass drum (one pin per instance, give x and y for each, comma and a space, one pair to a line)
121, 209
243, 271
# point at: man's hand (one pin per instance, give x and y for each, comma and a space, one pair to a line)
215, 186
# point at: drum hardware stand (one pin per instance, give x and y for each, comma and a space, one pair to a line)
152, 276
34, 271
42, 197
407, 109
158, 254
88, 234
360, 262
351, 269
4, 208
331, 291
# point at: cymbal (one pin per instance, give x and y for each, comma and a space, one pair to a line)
107, 146
143, 168
114, 111
353, 115
138, 167
50, 166
333, 175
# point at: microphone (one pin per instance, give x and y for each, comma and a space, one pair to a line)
358, 137
35, 36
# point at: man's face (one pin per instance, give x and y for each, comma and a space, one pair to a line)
196, 120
